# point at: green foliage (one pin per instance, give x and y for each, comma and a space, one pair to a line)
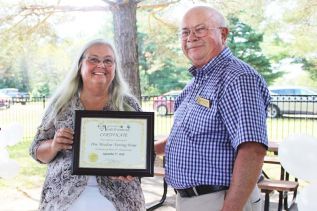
11, 76
33, 58
41, 89
163, 68
169, 77
162, 65
20, 33
310, 65
245, 44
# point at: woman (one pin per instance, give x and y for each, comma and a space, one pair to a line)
95, 83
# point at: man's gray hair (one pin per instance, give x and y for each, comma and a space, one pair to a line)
214, 14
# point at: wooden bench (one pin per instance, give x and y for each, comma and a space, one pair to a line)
271, 160
284, 176
282, 186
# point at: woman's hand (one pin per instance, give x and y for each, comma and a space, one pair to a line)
63, 139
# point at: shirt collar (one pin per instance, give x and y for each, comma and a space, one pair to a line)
225, 53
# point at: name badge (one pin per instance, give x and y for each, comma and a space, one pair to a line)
204, 102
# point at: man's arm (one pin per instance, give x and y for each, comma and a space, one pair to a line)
247, 168
159, 146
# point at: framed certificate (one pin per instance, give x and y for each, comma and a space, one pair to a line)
113, 143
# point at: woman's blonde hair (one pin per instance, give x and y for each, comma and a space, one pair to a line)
73, 83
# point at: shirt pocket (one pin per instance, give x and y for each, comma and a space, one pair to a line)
203, 120
205, 124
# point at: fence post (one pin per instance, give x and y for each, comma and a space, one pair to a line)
43, 101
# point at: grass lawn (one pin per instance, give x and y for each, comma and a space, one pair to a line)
31, 173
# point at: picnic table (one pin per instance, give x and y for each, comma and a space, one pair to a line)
283, 185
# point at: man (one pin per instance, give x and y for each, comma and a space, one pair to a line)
214, 153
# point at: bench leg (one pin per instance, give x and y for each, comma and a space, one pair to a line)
294, 195
267, 202
280, 200
286, 206
286, 193
286, 202
295, 192
160, 203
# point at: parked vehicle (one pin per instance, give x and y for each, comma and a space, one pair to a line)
164, 104
4, 101
292, 100
16, 96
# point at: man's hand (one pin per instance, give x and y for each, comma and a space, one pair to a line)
159, 146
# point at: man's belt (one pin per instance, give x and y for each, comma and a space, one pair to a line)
200, 190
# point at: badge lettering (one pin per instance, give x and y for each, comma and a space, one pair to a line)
204, 102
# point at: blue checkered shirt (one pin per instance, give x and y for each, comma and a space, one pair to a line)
203, 142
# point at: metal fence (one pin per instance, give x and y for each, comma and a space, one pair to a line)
288, 115
292, 114
27, 112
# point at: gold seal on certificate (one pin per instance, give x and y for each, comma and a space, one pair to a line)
113, 143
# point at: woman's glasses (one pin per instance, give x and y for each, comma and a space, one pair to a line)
94, 60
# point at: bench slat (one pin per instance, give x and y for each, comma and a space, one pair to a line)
271, 160
278, 185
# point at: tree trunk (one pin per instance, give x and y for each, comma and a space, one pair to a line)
125, 37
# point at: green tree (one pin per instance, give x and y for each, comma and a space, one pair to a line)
245, 44
291, 33
158, 73
310, 65
161, 62
19, 42
124, 27
169, 77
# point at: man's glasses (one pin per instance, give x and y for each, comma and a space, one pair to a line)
108, 62
200, 31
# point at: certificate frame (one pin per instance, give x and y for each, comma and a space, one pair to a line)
107, 135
